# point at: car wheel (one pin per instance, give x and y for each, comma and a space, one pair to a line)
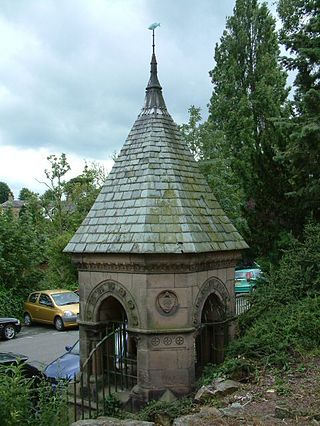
27, 319
58, 323
9, 332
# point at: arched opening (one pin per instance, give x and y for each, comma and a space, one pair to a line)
212, 336
118, 353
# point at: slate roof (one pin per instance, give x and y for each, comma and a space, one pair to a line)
155, 199
15, 204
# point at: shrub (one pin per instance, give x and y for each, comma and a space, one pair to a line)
24, 402
10, 303
238, 368
172, 410
283, 321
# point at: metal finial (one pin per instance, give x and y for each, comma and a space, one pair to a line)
153, 27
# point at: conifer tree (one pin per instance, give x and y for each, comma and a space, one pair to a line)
300, 34
249, 95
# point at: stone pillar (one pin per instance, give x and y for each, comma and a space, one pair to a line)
166, 361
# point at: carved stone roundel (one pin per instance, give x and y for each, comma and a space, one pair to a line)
167, 301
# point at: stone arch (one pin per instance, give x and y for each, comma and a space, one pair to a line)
212, 286
212, 309
111, 288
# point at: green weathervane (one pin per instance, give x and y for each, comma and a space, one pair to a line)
153, 27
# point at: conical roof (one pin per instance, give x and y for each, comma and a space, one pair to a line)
155, 200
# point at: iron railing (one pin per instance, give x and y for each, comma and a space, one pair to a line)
242, 303
109, 369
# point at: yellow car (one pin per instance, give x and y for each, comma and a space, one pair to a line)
57, 307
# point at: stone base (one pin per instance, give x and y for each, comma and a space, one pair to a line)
139, 397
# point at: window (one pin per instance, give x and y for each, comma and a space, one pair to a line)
33, 297
62, 299
45, 300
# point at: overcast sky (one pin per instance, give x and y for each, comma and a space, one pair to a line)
73, 75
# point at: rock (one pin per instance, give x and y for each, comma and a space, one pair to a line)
205, 414
219, 388
233, 410
110, 421
283, 413
225, 387
162, 419
203, 393
189, 420
210, 412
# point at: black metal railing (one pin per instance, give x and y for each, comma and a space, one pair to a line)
242, 303
109, 368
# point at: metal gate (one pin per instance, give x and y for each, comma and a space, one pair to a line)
111, 367
211, 340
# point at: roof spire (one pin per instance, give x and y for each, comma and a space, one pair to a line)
153, 27
154, 97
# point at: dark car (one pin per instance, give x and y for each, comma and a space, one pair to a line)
29, 371
9, 358
9, 327
66, 366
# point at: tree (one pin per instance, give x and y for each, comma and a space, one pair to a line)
25, 194
53, 198
21, 253
64, 206
301, 36
5, 191
205, 144
81, 192
249, 95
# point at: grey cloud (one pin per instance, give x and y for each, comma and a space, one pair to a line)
79, 82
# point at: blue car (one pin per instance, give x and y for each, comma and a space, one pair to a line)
66, 366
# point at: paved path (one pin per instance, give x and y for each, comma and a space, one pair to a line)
41, 344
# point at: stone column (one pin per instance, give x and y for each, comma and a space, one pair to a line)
166, 361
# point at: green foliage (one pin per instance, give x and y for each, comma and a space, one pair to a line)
5, 191
61, 272
112, 407
52, 406
206, 146
249, 95
21, 252
26, 403
53, 199
193, 132
284, 316
11, 302
81, 192
25, 194
15, 396
173, 410
300, 33
238, 368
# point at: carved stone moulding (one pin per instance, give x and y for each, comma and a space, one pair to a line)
111, 288
160, 263
212, 286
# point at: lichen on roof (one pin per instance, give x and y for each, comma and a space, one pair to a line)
155, 200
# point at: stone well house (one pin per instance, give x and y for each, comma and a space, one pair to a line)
157, 252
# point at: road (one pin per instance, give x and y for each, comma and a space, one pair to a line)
41, 344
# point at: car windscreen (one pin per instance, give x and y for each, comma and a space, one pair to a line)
62, 299
239, 275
